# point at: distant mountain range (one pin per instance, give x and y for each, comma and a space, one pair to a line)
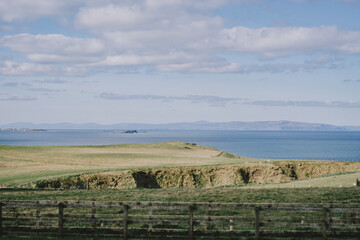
200, 125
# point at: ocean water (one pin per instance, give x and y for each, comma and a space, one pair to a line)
343, 146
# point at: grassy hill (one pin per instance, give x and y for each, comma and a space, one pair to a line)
24, 164
162, 165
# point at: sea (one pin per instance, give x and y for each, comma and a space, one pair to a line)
310, 145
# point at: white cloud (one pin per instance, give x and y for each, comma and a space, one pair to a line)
164, 35
204, 67
132, 59
110, 17
151, 26
172, 61
198, 4
181, 25
12, 10
274, 42
144, 14
19, 10
24, 68
53, 48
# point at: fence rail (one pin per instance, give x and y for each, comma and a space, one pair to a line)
180, 220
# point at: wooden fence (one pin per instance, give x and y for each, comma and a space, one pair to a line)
180, 220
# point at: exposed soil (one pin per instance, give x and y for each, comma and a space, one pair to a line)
202, 177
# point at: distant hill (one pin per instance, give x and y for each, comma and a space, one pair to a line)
200, 125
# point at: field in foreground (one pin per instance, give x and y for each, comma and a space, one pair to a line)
223, 194
172, 214
162, 165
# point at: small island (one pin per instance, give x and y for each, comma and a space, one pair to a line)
22, 130
127, 131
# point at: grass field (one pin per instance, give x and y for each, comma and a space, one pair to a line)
24, 164
222, 194
229, 195
346, 179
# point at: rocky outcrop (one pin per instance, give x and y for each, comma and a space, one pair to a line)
201, 177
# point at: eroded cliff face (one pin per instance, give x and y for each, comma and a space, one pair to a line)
201, 177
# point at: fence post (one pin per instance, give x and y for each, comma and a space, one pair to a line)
16, 215
325, 223
93, 212
209, 224
61, 219
126, 216
150, 219
191, 222
257, 223
1, 230
37, 215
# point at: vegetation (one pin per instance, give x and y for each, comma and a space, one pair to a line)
271, 174
175, 171
24, 164
221, 194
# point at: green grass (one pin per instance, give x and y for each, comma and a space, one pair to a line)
222, 194
232, 195
337, 180
24, 164
20, 165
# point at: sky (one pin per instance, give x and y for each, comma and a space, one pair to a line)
161, 61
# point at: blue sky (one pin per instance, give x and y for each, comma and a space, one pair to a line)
159, 61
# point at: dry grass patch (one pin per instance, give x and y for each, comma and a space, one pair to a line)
19, 164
